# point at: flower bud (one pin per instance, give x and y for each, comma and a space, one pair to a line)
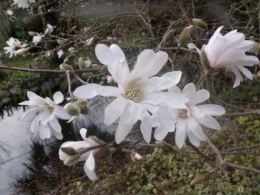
200, 178
90, 41
109, 79
9, 12
103, 69
88, 62
69, 151
167, 36
69, 58
61, 41
64, 66
204, 59
200, 23
165, 146
81, 63
97, 66
185, 35
73, 110
31, 33
72, 160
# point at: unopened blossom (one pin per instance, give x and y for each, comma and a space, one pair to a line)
188, 121
228, 52
13, 45
46, 114
23, 3
9, 12
37, 38
60, 53
86, 156
137, 95
89, 41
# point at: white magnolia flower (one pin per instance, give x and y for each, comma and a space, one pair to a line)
45, 114
60, 53
37, 38
49, 29
14, 45
188, 120
87, 156
23, 3
229, 52
137, 95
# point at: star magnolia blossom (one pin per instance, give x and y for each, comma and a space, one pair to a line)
229, 52
137, 94
23, 3
45, 114
87, 156
188, 120
14, 46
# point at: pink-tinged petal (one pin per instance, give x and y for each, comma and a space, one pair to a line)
216, 50
246, 72
235, 40
212, 109
122, 131
180, 133
61, 113
209, 122
196, 129
230, 34
200, 96
192, 46
44, 131
91, 90
196, 111
189, 91
55, 125
230, 58
105, 55
115, 109
175, 89
135, 112
146, 126
238, 77
212, 40
83, 133
89, 167
160, 133
58, 97
246, 45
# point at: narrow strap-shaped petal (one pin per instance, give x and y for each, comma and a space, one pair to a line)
200, 96
146, 126
61, 113
122, 131
89, 167
83, 133
196, 128
58, 97
44, 131
91, 90
160, 133
55, 125
212, 109
209, 121
105, 55
246, 72
180, 133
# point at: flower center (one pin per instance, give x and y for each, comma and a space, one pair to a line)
184, 113
50, 109
133, 93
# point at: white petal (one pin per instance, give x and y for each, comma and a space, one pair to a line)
61, 113
246, 45
58, 135
89, 167
189, 91
180, 133
91, 90
196, 111
212, 109
146, 126
200, 96
35, 123
196, 129
193, 139
31, 112
160, 133
31, 95
83, 133
115, 110
55, 125
192, 46
118, 52
209, 122
105, 55
238, 77
58, 97
135, 112
44, 131
175, 89
246, 72
122, 131
212, 40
